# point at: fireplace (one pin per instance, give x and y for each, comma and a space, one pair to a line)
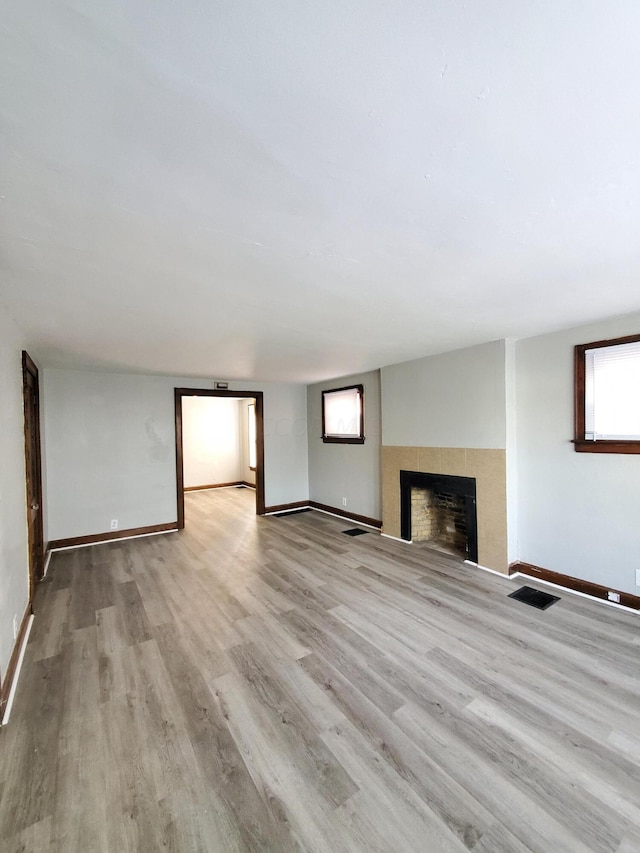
441, 508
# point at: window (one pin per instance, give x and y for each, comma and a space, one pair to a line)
252, 435
607, 396
343, 415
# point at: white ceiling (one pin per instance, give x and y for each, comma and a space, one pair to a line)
299, 190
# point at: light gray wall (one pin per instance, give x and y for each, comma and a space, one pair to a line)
110, 448
14, 553
351, 471
456, 399
511, 415
285, 441
579, 513
211, 440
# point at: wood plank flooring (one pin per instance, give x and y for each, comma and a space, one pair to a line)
270, 684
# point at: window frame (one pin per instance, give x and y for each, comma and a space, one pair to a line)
582, 444
339, 439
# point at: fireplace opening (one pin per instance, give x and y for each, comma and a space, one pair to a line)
439, 517
441, 509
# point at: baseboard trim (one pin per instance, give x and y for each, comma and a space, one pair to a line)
215, 486
248, 485
110, 535
47, 559
13, 668
593, 590
269, 510
342, 513
482, 568
330, 510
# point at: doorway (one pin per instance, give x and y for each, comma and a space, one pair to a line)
256, 396
33, 470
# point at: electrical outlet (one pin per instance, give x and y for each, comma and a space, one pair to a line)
344, 501
637, 577
114, 523
15, 626
614, 596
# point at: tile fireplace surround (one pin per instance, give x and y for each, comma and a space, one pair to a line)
489, 469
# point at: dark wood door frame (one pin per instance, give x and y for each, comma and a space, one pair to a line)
33, 470
179, 393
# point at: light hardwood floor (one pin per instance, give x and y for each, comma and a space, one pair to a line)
270, 684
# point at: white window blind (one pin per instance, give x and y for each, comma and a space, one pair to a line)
612, 393
342, 412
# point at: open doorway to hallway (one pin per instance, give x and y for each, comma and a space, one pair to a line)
219, 443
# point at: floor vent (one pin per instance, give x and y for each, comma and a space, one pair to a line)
535, 597
355, 531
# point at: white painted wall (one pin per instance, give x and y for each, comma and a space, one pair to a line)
346, 470
14, 549
579, 512
110, 448
456, 399
211, 440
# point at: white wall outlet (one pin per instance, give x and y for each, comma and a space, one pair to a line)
637, 577
344, 501
15, 626
114, 523
614, 596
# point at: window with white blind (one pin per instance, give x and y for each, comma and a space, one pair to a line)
607, 388
343, 415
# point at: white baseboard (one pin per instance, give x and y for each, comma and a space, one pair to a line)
485, 569
109, 541
16, 674
345, 518
578, 593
